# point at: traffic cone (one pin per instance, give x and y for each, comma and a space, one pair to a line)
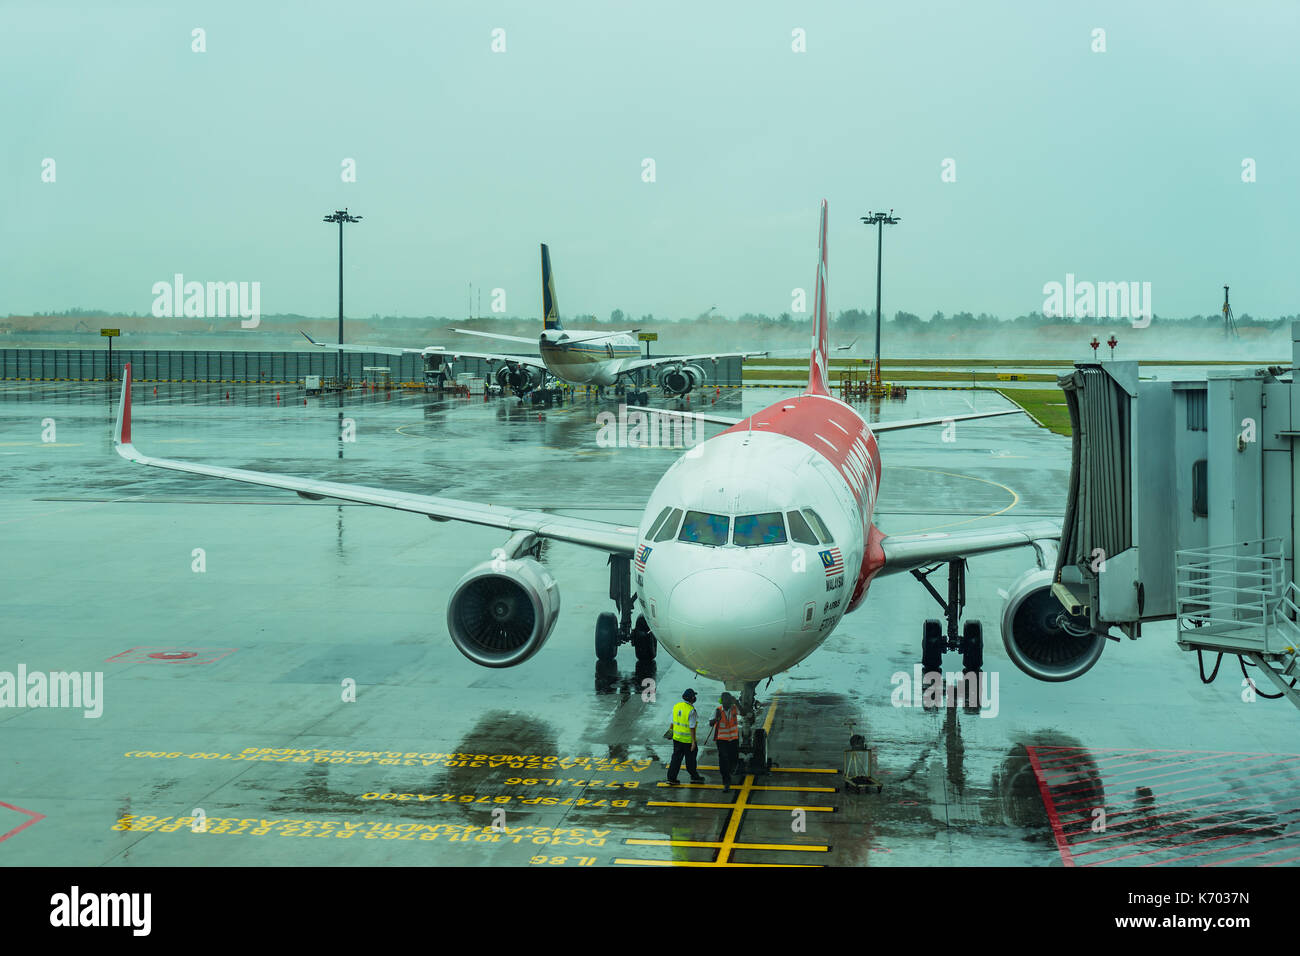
277, 398
227, 396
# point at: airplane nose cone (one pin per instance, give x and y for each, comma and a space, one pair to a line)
727, 621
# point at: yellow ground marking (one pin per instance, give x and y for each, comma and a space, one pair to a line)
732, 806
715, 844
729, 844
690, 863
718, 786
1015, 500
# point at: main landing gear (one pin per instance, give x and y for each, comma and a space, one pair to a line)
615, 629
934, 640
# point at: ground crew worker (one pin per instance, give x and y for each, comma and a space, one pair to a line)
726, 730
685, 721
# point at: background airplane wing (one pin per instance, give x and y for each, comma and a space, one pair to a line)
674, 359
604, 536
498, 335
903, 552
532, 361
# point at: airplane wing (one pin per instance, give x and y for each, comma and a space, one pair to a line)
904, 552
875, 427
879, 427
532, 361
675, 359
601, 535
686, 416
498, 335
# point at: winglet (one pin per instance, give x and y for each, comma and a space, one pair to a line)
818, 373
122, 433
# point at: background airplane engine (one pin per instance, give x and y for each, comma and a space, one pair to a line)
518, 378
680, 379
502, 611
1041, 637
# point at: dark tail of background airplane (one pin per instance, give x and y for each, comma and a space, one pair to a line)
550, 312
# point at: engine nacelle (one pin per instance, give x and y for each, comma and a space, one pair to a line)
1041, 637
680, 379
501, 612
518, 378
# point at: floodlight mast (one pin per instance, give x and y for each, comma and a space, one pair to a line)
880, 220
341, 216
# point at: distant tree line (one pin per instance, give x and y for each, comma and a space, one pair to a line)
847, 320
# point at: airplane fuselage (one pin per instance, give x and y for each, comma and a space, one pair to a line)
588, 361
756, 543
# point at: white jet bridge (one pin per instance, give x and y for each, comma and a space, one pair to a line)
1183, 506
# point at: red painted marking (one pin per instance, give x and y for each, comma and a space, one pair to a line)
1229, 791
1062, 844
199, 655
35, 818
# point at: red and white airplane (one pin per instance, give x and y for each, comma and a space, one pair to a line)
751, 549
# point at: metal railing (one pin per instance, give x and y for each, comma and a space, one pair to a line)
1237, 592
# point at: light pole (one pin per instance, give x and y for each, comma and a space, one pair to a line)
880, 220
341, 216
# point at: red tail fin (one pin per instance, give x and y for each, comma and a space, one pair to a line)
819, 378
122, 433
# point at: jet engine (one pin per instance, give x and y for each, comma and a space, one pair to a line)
518, 378
502, 611
1042, 638
680, 379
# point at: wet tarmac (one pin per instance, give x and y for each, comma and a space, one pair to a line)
232, 623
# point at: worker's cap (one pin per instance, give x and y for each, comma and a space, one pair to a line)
688, 694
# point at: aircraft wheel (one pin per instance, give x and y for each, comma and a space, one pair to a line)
606, 637
932, 646
643, 641
758, 757
972, 646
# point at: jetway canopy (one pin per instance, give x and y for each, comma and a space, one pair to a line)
1182, 505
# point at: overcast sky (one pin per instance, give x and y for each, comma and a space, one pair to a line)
1114, 166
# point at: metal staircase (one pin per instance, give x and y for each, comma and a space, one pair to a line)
1236, 599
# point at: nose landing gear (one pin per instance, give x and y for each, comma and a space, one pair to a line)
753, 740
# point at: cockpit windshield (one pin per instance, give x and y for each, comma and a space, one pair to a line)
754, 530
703, 528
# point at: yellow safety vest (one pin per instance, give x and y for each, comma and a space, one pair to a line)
682, 722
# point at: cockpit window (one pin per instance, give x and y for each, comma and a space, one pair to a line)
654, 528
815, 520
754, 530
668, 527
702, 528
799, 529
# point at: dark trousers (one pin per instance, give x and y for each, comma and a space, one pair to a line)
728, 758
681, 750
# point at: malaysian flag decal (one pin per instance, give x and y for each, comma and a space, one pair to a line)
832, 561
643, 555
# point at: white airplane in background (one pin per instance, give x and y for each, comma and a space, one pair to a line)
751, 549
580, 358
